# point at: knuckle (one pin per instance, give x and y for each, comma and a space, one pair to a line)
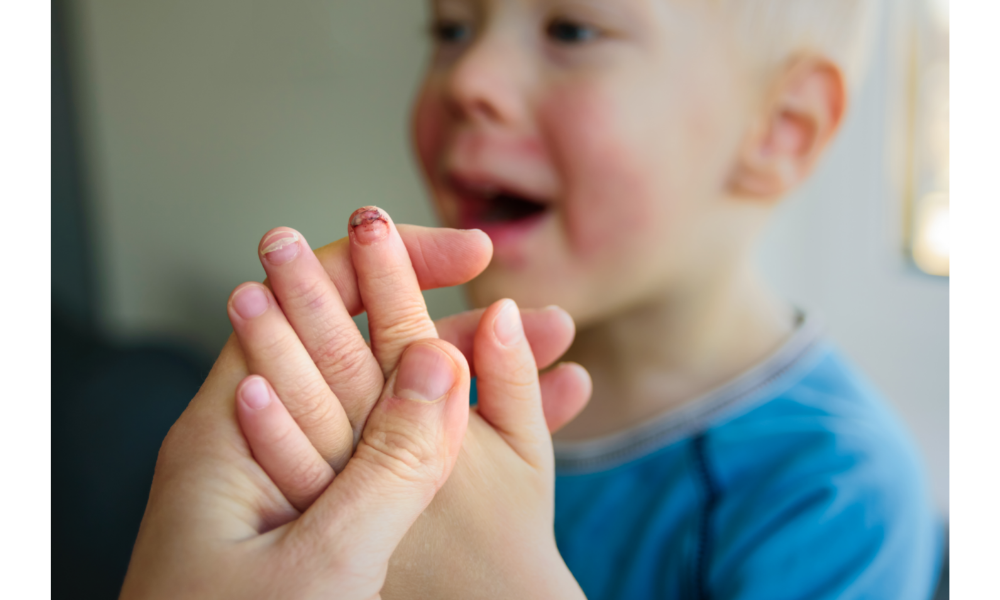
406, 322
393, 277
314, 409
525, 375
272, 347
307, 294
281, 437
409, 454
518, 380
342, 361
306, 477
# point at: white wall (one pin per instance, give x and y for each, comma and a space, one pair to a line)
211, 121
835, 249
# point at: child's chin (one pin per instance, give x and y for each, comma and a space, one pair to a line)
496, 284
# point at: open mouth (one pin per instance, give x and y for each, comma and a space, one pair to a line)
493, 205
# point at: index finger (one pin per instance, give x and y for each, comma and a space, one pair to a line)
440, 257
397, 314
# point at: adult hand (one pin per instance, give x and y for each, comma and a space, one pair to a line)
489, 531
208, 531
329, 378
217, 526
212, 505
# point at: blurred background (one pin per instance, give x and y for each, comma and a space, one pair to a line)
183, 130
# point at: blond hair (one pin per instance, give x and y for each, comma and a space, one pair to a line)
774, 32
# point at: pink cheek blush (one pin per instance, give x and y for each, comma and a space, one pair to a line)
608, 197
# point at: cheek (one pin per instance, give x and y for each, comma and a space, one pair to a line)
607, 169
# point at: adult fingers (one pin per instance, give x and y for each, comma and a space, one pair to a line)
397, 314
549, 330
440, 257
290, 460
507, 383
407, 451
315, 310
273, 350
278, 444
566, 390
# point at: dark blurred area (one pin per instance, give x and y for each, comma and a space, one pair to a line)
111, 404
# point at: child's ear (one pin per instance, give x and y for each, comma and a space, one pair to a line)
798, 119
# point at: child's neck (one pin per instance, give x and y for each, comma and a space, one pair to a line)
670, 350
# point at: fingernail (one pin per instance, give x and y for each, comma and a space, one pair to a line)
255, 394
425, 374
250, 302
369, 224
281, 247
507, 326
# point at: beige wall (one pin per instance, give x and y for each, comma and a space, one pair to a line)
210, 121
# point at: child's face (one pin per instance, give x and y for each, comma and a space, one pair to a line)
591, 139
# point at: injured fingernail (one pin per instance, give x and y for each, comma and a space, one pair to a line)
369, 224
250, 301
255, 394
507, 326
281, 247
426, 373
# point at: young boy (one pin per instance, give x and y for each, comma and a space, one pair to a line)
623, 156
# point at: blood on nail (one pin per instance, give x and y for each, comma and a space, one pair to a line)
368, 215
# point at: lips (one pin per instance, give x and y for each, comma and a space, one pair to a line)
490, 204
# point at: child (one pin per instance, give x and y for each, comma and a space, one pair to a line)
623, 156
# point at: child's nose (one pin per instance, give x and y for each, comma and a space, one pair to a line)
489, 83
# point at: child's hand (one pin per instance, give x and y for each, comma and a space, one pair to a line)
489, 531
490, 527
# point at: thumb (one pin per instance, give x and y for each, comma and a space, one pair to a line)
407, 450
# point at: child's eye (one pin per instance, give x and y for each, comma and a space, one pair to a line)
450, 32
565, 31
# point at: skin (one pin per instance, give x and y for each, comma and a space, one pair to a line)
660, 154
654, 206
669, 304
218, 526
508, 431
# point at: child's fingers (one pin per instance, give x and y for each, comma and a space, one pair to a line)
315, 310
566, 390
549, 331
273, 350
507, 382
440, 258
408, 449
279, 446
397, 315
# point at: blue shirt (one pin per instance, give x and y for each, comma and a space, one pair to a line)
794, 480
